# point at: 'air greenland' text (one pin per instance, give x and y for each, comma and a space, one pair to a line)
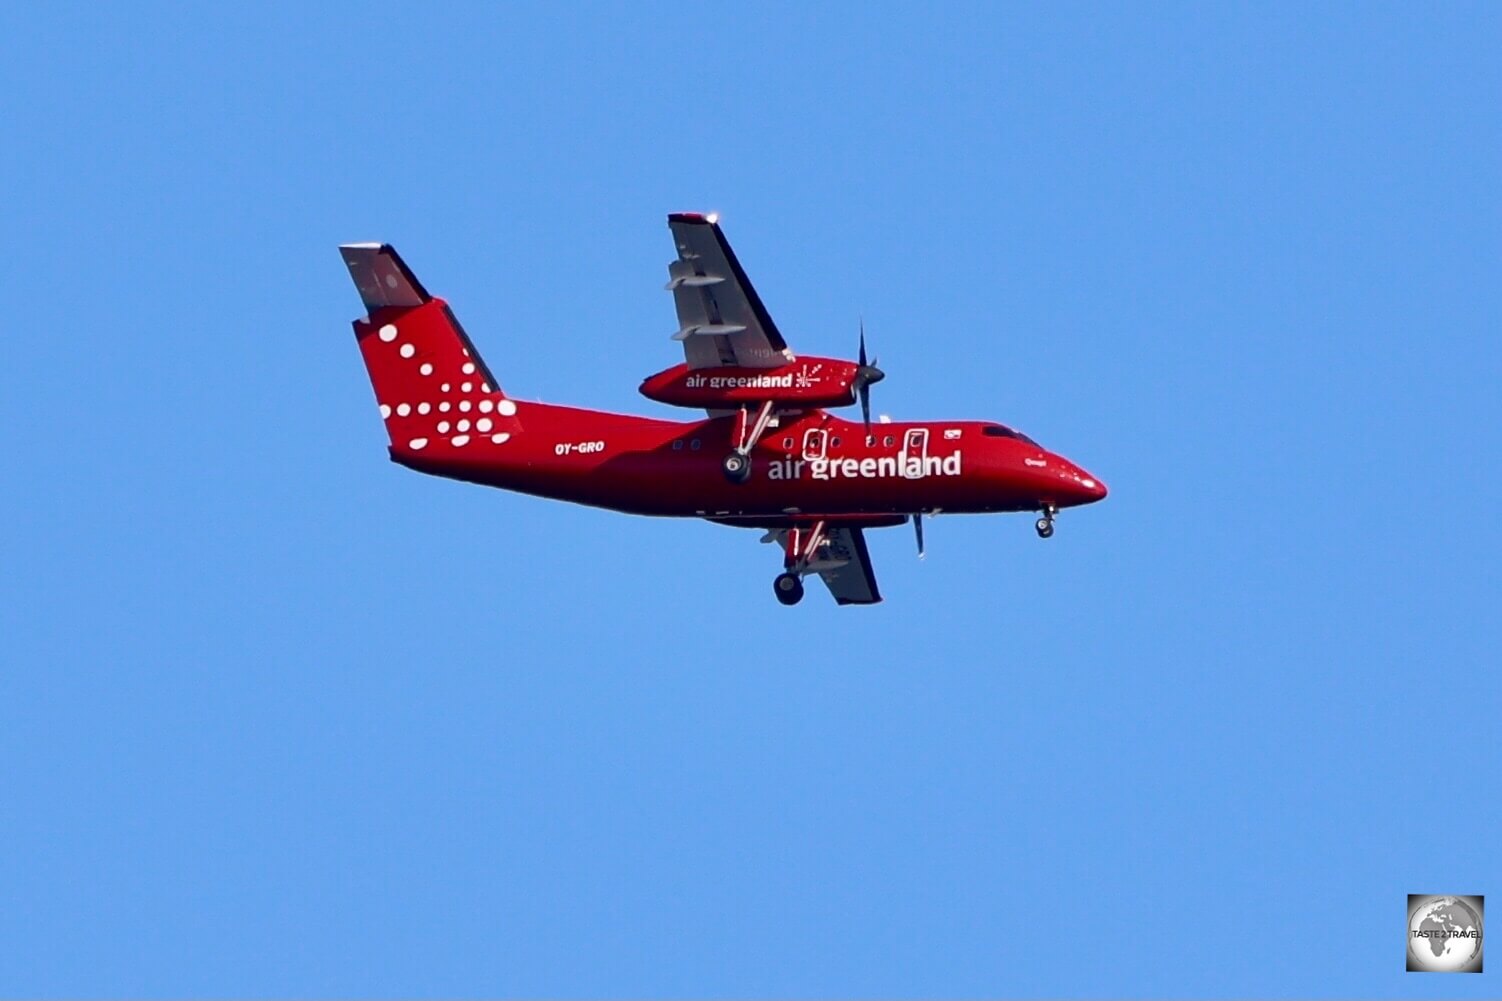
906, 467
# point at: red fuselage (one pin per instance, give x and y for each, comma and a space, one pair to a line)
812, 463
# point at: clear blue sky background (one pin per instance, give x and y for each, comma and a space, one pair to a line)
281, 718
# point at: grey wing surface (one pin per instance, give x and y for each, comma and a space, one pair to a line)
721, 319
852, 581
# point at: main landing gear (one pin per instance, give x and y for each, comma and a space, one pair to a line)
789, 588
736, 467
1044, 525
748, 431
801, 547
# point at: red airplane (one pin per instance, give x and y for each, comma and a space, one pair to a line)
769, 456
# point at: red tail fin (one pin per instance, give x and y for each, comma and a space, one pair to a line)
433, 388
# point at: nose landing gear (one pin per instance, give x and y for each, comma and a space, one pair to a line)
1044, 525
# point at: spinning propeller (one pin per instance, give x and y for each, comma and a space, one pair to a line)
865, 376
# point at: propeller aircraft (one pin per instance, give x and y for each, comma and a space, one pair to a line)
767, 455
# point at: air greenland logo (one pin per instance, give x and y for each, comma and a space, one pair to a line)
739, 381
805, 378
888, 466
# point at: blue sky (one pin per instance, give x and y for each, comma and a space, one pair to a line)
280, 718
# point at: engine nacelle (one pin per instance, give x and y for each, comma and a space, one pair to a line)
805, 383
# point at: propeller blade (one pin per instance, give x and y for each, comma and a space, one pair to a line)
865, 375
918, 528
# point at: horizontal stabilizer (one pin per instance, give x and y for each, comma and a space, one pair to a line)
381, 276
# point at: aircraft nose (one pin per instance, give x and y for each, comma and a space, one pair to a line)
1079, 486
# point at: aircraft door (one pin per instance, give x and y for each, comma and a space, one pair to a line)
914, 446
813, 443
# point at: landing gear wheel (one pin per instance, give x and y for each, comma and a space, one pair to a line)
789, 588
736, 467
1044, 527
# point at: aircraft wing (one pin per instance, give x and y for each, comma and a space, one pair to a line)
845, 566
721, 319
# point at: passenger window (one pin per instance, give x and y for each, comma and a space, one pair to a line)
889, 441
834, 443
694, 445
678, 445
787, 442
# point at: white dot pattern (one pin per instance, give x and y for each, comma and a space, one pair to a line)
483, 425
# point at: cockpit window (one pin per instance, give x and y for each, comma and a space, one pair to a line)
1000, 431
